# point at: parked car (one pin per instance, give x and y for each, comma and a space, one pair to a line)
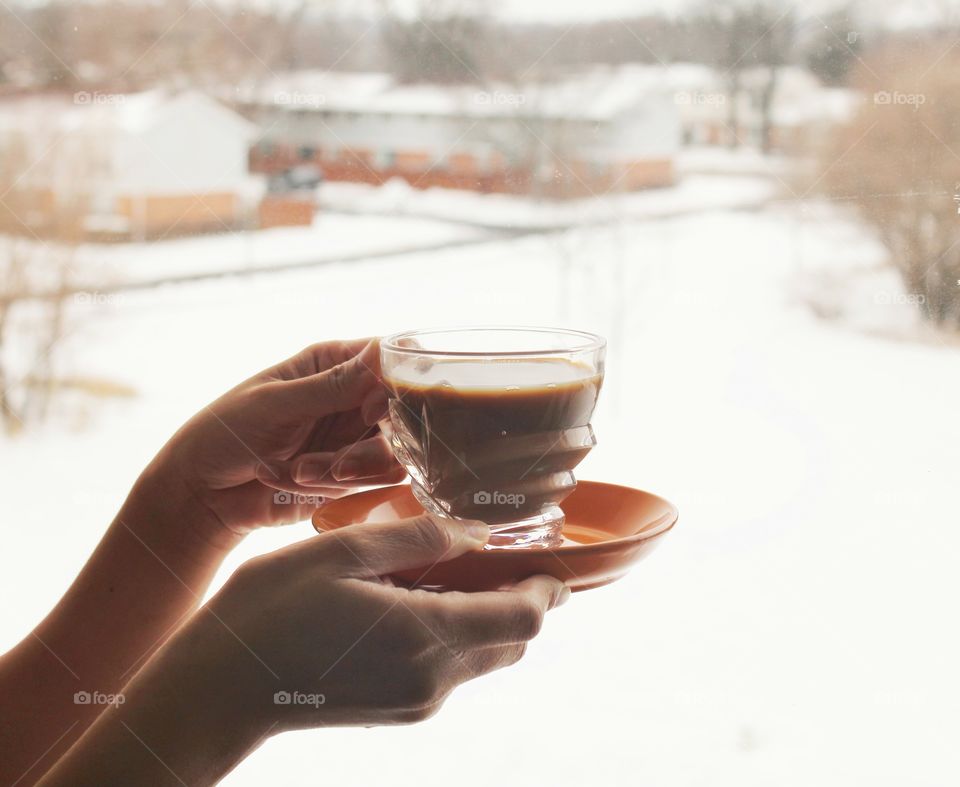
304, 177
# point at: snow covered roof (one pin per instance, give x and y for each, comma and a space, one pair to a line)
598, 93
154, 142
98, 112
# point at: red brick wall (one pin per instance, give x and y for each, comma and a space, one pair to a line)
463, 171
648, 174
179, 213
285, 211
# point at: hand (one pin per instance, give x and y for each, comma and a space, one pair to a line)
308, 636
307, 426
315, 620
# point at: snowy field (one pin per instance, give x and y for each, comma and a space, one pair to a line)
693, 193
798, 626
329, 237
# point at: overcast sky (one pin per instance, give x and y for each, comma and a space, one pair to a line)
895, 13
882, 13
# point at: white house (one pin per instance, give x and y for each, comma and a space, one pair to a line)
801, 110
591, 132
140, 164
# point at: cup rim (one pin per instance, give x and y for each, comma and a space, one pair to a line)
589, 342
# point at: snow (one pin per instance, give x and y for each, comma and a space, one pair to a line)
506, 211
128, 144
714, 160
794, 628
329, 88
102, 112
598, 93
329, 237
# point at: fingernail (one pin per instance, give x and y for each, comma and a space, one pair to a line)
563, 598
476, 531
374, 407
310, 473
348, 469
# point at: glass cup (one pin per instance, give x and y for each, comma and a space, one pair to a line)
491, 422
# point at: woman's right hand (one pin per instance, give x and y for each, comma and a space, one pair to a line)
314, 620
309, 636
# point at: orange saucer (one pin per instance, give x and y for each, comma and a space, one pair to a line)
608, 528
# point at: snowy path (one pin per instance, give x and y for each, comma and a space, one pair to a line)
408, 222
693, 193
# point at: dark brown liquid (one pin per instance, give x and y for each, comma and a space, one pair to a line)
497, 452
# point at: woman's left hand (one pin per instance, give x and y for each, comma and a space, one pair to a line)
270, 450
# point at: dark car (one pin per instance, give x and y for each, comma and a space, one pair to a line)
304, 177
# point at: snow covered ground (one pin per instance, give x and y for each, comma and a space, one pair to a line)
798, 625
329, 237
697, 192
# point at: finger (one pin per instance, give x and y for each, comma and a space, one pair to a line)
332, 492
375, 549
337, 431
286, 508
279, 477
321, 493
362, 459
374, 407
270, 509
323, 355
315, 358
500, 617
356, 464
482, 661
340, 388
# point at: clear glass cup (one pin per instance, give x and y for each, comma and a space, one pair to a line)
491, 422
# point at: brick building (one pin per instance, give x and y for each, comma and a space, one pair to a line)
604, 130
126, 165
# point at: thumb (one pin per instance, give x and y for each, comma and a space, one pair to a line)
373, 550
337, 389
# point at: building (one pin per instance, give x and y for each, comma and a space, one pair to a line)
609, 129
126, 165
801, 113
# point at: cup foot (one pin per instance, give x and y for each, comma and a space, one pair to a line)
540, 532
543, 531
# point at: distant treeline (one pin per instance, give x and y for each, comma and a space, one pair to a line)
125, 45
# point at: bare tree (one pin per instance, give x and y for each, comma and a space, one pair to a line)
733, 34
440, 43
776, 32
13, 283
36, 280
897, 164
749, 34
832, 52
